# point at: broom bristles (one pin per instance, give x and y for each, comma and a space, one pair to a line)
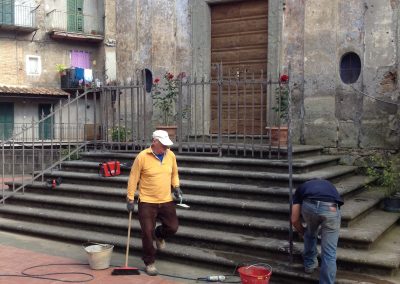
126, 271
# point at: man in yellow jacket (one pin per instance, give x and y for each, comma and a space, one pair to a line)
155, 173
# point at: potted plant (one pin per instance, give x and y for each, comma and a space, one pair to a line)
386, 171
165, 97
61, 69
279, 132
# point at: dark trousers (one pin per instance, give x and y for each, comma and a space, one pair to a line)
148, 214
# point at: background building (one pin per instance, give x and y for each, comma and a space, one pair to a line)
39, 39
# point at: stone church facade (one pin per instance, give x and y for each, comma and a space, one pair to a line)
342, 57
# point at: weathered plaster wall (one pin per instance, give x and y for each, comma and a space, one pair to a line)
153, 34
335, 114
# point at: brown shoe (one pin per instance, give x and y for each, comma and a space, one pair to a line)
151, 270
160, 243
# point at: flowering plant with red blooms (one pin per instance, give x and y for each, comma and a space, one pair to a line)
284, 78
282, 98
165, 95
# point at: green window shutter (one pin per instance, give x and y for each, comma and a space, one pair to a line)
79, 15
1, 12
75, 15
6, 120
45, 127
7, 12
71, 15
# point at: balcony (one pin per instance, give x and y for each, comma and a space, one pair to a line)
77, 27
71, 82
18, 18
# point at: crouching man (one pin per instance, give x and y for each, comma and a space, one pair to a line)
318, 201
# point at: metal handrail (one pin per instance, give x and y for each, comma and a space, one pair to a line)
36, 125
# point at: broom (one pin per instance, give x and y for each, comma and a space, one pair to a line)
126, 270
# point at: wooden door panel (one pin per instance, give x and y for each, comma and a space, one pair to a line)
239, 40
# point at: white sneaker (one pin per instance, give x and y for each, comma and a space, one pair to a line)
160, 243
151, 270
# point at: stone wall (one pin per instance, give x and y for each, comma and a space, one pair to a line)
327, 111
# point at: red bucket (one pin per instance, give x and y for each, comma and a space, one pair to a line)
255, 274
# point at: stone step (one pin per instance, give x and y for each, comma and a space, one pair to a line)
206, 150
208, 215
379, 261
206, 219
354, 208
204, 237
240, 177
347, 186
368, 230
263, 165
358, 206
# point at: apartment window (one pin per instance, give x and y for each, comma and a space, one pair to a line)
33, 65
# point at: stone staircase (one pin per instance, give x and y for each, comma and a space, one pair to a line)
239, 213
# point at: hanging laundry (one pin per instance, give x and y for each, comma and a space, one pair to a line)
79, 73
88, 75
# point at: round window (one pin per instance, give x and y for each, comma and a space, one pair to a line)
350, 67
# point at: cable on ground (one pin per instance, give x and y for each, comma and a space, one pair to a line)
46, 276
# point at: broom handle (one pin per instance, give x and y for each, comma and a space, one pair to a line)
129, 239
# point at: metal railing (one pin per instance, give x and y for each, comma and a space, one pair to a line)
225, 115
45, 143
79, 23
20, 16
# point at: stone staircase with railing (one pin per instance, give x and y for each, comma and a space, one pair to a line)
239, 213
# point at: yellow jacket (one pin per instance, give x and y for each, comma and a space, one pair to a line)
155, 178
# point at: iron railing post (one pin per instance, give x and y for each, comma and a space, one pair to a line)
290, 167
219, 82
180, 117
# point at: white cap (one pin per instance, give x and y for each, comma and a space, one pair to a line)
162, 136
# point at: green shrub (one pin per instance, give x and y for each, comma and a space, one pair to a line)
386, 170
119, 134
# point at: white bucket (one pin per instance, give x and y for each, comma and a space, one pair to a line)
99, 255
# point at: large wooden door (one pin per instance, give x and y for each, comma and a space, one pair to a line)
239, 41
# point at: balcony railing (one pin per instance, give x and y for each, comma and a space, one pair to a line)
19, 18
59, 21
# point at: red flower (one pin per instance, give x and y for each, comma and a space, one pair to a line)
181, 75
156, 80
284, 78
170, 76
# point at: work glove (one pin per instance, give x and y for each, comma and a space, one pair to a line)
178, 193
130, 206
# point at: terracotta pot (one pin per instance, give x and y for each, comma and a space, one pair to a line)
171, 130
279, 135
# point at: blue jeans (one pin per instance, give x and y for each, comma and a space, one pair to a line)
328, 217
